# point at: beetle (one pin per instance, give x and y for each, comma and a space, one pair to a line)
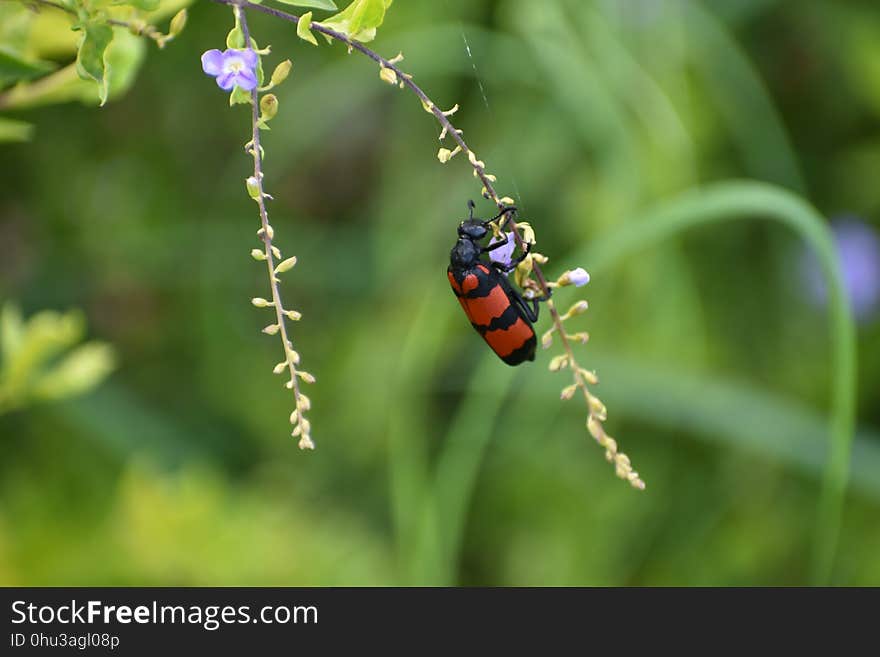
498, 312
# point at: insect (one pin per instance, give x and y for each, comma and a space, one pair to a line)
498, 312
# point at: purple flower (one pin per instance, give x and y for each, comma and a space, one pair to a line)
232, 68
858, 247
503, 255
578, 277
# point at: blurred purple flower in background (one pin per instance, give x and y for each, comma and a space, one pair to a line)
232, 68
858, 247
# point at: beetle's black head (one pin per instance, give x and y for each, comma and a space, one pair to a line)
472, 229
464, 254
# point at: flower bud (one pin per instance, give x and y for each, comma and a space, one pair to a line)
281, 72
256, 254
576, 277
253, 187
579, 308
178, 23
259, 302
285, 265
268, 107
387, 75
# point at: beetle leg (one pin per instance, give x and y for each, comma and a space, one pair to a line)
506, 269
492, 247
508, 209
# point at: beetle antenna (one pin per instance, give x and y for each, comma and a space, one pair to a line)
471, 206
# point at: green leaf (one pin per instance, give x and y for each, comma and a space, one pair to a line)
328, 5
123, 59
303, 31
239, 96
81, 370
11, 130
360, 19
90, 56
146, 5
235, 38
11, 332
15, 68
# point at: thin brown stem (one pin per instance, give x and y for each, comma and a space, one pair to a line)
140, 28
266, 234
442, 119
595, 418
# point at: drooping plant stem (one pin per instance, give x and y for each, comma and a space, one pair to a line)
595, 418
266, 234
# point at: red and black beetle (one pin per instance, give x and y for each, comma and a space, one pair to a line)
498, 312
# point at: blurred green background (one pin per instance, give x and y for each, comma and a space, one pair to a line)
436, 463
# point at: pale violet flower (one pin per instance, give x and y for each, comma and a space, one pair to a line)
578, 277
503, 255
232, 68
858, 248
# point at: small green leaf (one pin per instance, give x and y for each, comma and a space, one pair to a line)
146, 5
360, 19
328, 5
11, 332
15, 68
90, 56
303, 31
239, 97
11, 130
79, 371
235, 38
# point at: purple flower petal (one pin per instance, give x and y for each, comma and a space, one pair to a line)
246, 79
503, 255
858, 248
578, 277
212, 62
226, 80
249, 57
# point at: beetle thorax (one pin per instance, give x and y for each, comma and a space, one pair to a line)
464, 254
